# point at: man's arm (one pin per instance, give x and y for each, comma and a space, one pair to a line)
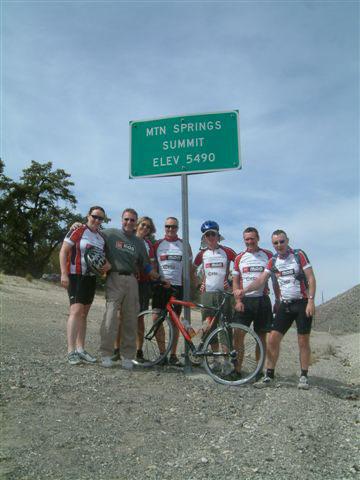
277, 292
239, 306
310, 277
255, 285
276, 287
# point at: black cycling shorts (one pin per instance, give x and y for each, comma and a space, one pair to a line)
145, 292
287, 313
257, 310
161, 296
81, 289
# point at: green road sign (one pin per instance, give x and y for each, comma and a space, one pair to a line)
185, 144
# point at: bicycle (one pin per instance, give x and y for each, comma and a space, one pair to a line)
231, 353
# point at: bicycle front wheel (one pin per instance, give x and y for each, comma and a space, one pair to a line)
233, 354
155, 337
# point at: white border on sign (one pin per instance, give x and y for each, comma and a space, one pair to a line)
185, 173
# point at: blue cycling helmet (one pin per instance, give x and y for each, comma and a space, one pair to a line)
209, 225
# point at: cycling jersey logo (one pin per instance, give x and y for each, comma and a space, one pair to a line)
285, 273
122, 245
254, 268
168, 267
214, 265
176, 258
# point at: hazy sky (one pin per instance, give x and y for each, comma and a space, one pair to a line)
74, 73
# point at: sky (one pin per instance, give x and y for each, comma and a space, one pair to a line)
75, 73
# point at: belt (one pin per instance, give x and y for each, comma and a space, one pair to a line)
122, 273
296, 300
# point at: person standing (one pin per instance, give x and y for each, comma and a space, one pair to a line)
297, 284
79, 282
127, 255
145, 230
214, 260
255, 306
169, 258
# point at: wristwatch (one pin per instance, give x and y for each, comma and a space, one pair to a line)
311, 297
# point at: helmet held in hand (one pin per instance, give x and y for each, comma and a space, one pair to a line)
95, 260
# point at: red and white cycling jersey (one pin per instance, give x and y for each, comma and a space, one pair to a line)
169, 256
286, 271
81, 239
215, 268
249, 266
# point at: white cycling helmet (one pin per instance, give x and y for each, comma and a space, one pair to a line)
95, 259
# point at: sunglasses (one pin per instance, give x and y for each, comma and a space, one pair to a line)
172, 227
96, 217
145, 225
131, 220
279, 242
210, 234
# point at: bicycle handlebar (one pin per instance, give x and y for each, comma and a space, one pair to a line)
171, 289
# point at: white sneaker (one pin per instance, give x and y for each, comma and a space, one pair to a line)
73, 358
86, 357
107, 362
267, 380
303, 383
127, 364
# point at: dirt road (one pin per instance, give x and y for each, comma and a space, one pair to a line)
86, 422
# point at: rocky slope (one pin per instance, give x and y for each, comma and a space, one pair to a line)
341, 314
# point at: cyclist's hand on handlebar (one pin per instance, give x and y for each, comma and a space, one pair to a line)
160, 282
239, 306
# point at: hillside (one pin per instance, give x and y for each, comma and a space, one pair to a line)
341, 314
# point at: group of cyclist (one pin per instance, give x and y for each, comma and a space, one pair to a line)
134, 260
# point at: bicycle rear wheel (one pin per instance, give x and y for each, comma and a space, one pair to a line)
233, 354
158, 337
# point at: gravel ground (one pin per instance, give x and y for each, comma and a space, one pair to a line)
86, 422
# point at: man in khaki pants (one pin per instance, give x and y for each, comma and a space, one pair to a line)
126, 253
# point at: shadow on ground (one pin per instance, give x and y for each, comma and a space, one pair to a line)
333, 387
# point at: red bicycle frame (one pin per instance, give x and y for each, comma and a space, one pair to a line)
175, 319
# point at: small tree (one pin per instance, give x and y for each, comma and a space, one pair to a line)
34, 215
